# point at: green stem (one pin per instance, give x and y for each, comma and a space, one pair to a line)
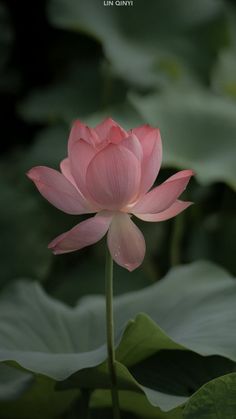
110, 335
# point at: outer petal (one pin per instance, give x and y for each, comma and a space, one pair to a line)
110, 131
126, 242
141, 131
58, 190
65, 170
164, 195
150, 140
83, 234
180, 175
176, 208
113, 177
81, 131
81, 153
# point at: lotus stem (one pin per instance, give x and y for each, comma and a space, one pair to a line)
110, 335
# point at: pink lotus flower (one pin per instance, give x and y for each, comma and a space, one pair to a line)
109, 172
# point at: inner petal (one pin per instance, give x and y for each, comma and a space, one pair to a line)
110, 132
113, 177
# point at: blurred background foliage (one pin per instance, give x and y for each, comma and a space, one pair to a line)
170, 63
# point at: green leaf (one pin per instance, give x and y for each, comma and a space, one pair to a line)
134, 403
194, 306
135, 46
215, 400
224, 74
13, 382
39, 401
73, 339
192, 125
